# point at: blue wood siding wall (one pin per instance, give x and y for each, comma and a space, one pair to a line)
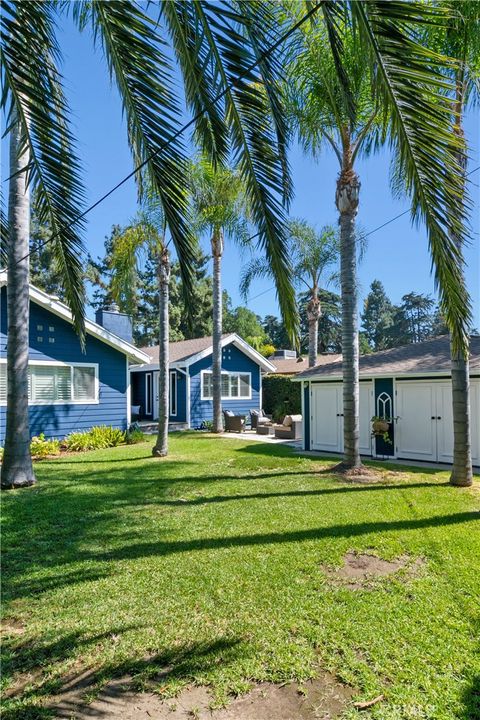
233, 360
181, 416
59, 420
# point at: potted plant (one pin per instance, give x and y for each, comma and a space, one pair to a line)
381, 427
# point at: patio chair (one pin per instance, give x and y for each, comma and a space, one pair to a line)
290, 429
258, 417
233, 423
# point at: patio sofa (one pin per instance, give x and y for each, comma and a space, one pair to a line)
290, 429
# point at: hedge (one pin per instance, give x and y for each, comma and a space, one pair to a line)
281, 396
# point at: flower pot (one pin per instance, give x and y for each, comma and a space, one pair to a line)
380, 426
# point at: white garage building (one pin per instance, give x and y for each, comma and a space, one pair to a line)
411, 384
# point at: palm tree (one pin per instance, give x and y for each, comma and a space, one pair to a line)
147, 235
313, 253
212, 55
395, 94
460, 39
230, 60
219, 208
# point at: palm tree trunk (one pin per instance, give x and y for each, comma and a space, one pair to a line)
462, 473
313, 316
347, 197
217, 252
17, 469
160, 448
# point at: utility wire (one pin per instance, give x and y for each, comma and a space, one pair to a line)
370, 232
181, 130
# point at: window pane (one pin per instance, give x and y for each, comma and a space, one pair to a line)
244, 385
84, 383
225, 386
63, 384
207, 385
234, 386
3, 382
43, 383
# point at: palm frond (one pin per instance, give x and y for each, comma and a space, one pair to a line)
199, 78
33, 93
255, 269
412, 82
139, 65
254, 143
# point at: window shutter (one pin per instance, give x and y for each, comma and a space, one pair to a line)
3, 382
63, 390
84, 383
43, 383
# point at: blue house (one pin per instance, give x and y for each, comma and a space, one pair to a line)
191, 380
70, 390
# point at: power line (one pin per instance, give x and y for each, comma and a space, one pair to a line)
370, 232
181, 130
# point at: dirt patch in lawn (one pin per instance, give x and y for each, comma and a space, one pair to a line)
360, 569
323, 698
362, 474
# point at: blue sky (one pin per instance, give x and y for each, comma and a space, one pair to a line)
397, 254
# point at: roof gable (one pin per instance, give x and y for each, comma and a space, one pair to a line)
55, 306
187, 352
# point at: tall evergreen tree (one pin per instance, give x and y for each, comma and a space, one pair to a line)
377, 316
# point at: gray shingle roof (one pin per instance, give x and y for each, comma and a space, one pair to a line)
292, 366
430, 356
181, 350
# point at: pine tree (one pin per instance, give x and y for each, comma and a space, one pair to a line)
377, 316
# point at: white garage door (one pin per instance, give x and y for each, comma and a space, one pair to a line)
424, 429
326, 401
327, 417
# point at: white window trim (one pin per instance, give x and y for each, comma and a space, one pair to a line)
228, 397
171, 374
59, 363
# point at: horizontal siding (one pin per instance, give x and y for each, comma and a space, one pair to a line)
59, 420
233, 360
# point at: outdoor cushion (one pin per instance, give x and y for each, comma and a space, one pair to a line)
228, 413
287, 420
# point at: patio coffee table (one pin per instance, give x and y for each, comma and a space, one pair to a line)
265, 429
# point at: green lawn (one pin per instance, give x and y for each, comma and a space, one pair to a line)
212, 563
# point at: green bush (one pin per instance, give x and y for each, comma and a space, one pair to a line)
281, 396
134, 436
41, 447
99, 437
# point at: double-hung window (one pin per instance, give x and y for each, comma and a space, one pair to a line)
60, 384
234, 385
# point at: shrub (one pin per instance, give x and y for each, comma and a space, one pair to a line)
99, 437
41, 447
132, 437
207, 425
281, 396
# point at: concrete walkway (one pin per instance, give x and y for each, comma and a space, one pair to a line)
268, 439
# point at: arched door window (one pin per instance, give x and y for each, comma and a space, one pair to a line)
384, 405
